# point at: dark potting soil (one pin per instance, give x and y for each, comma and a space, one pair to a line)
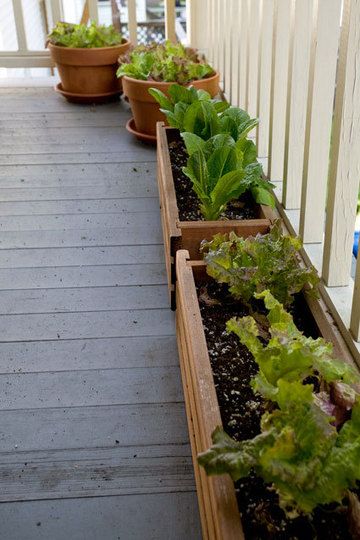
187, 201
241, 410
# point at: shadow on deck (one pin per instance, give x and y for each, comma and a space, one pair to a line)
94, 443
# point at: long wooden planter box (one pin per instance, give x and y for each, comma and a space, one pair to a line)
219, 513
189, 234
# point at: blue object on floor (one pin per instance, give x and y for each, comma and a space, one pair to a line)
356, 243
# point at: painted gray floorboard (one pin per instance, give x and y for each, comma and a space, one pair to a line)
147, 218
12, 121
133, 154
85, 354
82, 237
13, 210
133, 424
83, 299
90, 388
94, 192
93, 439
80, 256
101, 172
168, 516
92, 324
78, 276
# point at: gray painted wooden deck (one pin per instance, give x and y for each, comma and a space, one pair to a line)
93, 436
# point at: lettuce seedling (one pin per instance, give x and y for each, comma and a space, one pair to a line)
253, 264
83, 36
167, 62
218, 176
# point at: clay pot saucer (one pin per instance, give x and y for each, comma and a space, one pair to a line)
87, 98
144, 137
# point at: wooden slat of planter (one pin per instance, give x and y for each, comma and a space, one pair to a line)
217, 494
189, 234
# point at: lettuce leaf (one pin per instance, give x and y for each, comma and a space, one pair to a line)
251, 265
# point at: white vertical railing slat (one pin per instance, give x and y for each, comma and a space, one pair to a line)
279, 85
243, 74
253, 57
93, 10
226, 27
345, 154
235, 47
132, 21
319, 121
265, 77
19, 25
170, 20
56, 12
297, 102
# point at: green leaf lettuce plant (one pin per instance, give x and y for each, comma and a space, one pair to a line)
83, 36
167, 62
251, 265
301, 451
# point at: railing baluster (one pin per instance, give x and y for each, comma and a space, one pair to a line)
319, 121
56, 12
345, 157
227, 47
235, 46
265, 76
279, 85
244, 62
253, 58
93, 10
19, 25
297, 102
132, 21
170, 20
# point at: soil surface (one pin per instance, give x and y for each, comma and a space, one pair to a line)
187, 201
241, 410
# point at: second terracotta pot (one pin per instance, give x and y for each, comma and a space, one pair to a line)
88, 71
146, 110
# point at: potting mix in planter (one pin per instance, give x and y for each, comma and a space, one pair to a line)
158, 66
86, 58
290, 411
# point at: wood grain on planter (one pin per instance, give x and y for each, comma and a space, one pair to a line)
216, 495
189, 234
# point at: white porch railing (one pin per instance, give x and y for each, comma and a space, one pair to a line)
296, 65
54, 11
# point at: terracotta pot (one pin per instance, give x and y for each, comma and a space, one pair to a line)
146, 110
88, 71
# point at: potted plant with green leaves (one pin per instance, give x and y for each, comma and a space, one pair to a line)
209, 178
158, 66
86, 58
272, 393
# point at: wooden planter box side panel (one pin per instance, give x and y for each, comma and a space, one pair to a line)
217, 494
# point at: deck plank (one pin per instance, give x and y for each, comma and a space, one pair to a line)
94, 440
